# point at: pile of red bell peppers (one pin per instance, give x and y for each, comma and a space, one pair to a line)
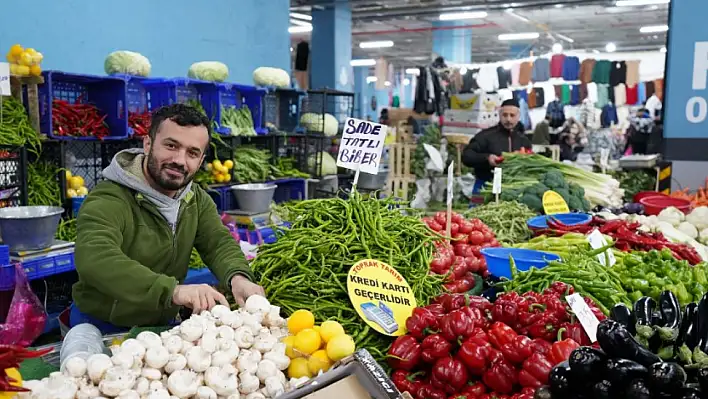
464, 347
78, 120
140, 123
461, 258
627, 237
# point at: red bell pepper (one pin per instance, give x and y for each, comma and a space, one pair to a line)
459, 286
561, 350
436, 309
449, 374
427, 391
474, 314
501, 377
456, 326
554, 306
546, 328
475, 356
575, 332
404, 353
406, 381
500, 334
421, 323
539, 345
434, 347
475, 389
507, 307
535, 371
561, 288
478, 336
451, 302
518, 350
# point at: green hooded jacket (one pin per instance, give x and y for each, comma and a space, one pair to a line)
130, 258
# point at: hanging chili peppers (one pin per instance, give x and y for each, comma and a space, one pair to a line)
78, 120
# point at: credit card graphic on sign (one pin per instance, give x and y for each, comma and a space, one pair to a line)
381, 315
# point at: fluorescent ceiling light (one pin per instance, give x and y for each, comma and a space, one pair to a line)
557, 48
301, 16
413, 71
300, 29
566, 38
558, 6
363, 62
663, 49
596, 51
454, 16
519, 36
376, 44
371, 79
299, 23
611, 47
654, 29
635, 3
406, 82
511, 12
387, 83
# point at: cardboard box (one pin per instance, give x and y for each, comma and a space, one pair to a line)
356, 377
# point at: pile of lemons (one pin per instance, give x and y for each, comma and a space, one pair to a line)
75, 186
24, 62
312, 348
220, 171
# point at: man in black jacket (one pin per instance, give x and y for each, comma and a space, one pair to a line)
483, 153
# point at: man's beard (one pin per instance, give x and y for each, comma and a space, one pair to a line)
166, 184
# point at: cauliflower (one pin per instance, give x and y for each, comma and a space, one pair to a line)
672, 216
320, 123
688, 229
703, 236
212, 71
128, 63
267, 76
699, 218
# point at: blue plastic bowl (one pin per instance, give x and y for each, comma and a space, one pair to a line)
570, 219
498, 260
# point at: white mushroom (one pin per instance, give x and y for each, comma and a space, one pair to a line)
208, 342
87, 391
116, 380
191, 329
198, 359
225, 332
151, 374
114, 349
266, 369
172, 343
273, 318
255, 395
264, 342
149, 339
251, 322
219, 311
157, 356
206, 393
75, 367
256, 355
274, 386
257, 304
58, 386
158, 394
176, 362
186, 345
183, 383
123, 359
155, 385
244, 338
248, 383
227, 356
96, 366
281, 361
246, 363
233, 320
134, 347
128, 394
222, 380
142, 386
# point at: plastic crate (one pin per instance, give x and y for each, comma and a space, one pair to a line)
37, 268
290, 189
105, 92
223, 197
13, 172
282, 108
234, 95
200, 276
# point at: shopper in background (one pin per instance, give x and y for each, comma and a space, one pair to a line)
136, 231
542, 132
640, 131
653, 107
483, 153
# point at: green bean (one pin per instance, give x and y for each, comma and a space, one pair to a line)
507, 219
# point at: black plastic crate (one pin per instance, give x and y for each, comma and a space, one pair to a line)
300, 147
339, 104
282, 109
13, 176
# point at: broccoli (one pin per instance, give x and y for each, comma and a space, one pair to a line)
575, 204
533, 202
586, 205
554, 180
576, 190
565, 194
510, 195
536, 189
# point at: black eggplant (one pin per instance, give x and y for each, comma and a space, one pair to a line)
622, 314
638, 389
644, 310
667, 377
543, 393
587, 364
560, 380
702, 377
670, 310
702, 324
622, 371
602, 390
616, 341
687, 336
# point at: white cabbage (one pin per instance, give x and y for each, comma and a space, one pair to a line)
211, 71
128, 63
274, 77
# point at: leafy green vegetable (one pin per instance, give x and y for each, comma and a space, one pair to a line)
239, 120
211, 71
128, 63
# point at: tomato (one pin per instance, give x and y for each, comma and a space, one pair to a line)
476, 238
454, 229
466, 227
472, 264
478, 224
476, 251
435, 226
441, 218
494, 243
461, 249
457, 218
488, 236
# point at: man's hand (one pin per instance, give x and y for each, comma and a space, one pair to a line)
242, 288
494, 160
198, 297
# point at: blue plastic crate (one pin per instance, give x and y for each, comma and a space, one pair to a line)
289, 189
105, 92
234, 95
223, 198
4, 255
216, 196
282, 108
37, 268
201, 276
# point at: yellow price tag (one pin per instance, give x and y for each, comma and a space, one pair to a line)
553, 203
381, 296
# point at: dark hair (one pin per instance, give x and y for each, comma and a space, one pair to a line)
181, 114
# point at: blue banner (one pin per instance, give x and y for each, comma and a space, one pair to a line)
686, 96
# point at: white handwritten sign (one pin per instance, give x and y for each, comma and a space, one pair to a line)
597, 241
5, 89
361, 146
584, 314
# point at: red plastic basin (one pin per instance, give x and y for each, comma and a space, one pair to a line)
646, 194
655, 204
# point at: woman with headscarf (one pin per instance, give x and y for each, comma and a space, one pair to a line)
639, 132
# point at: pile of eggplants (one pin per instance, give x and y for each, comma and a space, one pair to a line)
620, 368
674, 334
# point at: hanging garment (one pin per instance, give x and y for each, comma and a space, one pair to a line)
556, 112
618, 73
429, 98
601, 72
586, 70
521, 95
582, 92
469, 81
603, 95
632, 95
586, 114
641, 93
525, 71
549, 94
650, 88
557, 65
592, 92
565, 94
532, 99
504, 77
659, 88
574, 94
302, 56
488, 79
540, 97
515, 70
541, 70
632, 73
559, 91
609, 116
525, 116
571, 68
620, 95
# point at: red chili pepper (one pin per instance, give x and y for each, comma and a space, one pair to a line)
518, 350
456, 326
561, 350
501, 377
449, 374
421, 323
434, 347
404, 353
427, 391
535, 371
406, 381
500, 334
475, 356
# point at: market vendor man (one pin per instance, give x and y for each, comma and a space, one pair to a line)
136, 230
483, 153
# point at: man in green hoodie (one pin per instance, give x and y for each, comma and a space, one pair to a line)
136, 230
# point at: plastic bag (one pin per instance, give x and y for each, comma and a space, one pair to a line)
422, 194
26, 317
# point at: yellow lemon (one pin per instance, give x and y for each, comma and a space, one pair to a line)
217, 165
340, 347
228, 164
37, 58
298, 368
289, 341
68, 174
209, 167
331, 329
220, 178
35, 70
23, 70
15, 375
13, 69
82, 191
31, 51
319, 361
16, 50
307, 341
300, 320
10, 58
76, 182
227, 178
25, 59
71, 193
